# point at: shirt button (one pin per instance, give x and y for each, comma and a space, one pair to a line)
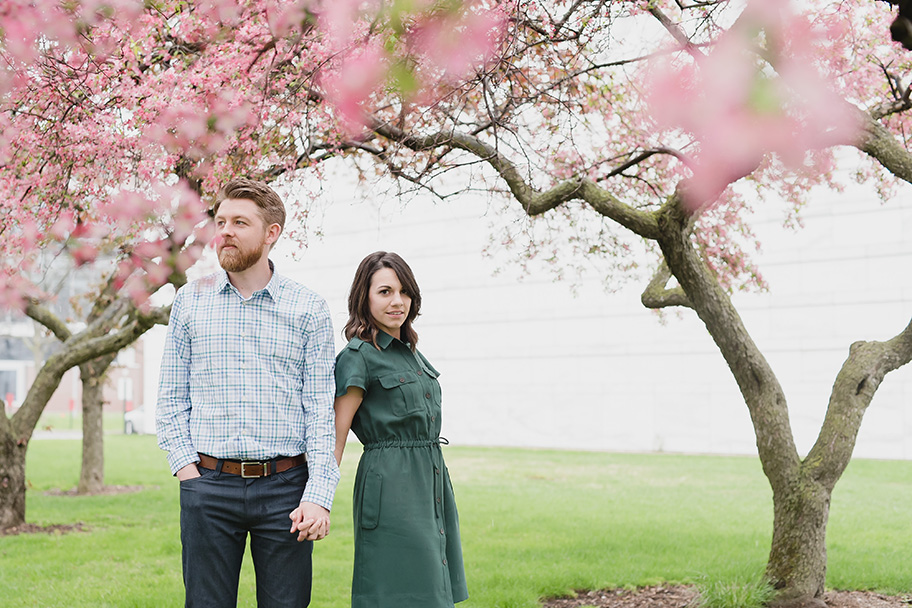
441, 531
401, 379
419, 372
438, 502
444, 562
436, 471
427, 395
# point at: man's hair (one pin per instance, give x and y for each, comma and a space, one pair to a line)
360, 321
272, 210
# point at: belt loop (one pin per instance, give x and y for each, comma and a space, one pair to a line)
218, 466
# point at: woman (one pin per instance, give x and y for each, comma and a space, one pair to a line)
407, 549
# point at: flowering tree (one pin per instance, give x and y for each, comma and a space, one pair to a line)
583, 122
650, 119
119, 118
639, 117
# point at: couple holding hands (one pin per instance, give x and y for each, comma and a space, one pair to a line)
254, 410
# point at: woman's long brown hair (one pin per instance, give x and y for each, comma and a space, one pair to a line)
361, 323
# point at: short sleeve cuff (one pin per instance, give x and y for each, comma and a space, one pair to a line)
350, 371
342, 388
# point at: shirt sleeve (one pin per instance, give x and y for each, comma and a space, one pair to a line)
172, 412
319, 416
350, 371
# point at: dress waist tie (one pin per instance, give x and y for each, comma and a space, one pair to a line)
405, 443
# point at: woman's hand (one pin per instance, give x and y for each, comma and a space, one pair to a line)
310, 521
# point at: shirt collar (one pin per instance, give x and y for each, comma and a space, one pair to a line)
273, 287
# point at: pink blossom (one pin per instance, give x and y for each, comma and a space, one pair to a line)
738, 112
63, 226
352, 83
455, 44
84, 254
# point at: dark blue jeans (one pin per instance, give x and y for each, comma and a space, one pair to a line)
218, 511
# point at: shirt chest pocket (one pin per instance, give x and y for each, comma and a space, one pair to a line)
403, 392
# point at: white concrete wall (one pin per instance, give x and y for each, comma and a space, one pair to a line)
526, 363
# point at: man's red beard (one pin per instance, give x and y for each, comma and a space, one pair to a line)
237, 260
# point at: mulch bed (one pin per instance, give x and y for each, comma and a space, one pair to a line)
67, 528
682, 596
36, 529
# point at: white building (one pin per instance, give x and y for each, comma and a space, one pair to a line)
525, 362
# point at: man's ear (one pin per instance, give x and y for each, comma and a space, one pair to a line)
272, 233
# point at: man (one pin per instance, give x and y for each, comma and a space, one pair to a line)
245, 413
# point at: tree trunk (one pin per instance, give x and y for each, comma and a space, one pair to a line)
797, 560
801, 488
93, 375
16, 430
12, 477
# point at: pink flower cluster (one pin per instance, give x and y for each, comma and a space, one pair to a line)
757, 91
424, 44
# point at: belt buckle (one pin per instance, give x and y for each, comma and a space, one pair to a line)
264, 465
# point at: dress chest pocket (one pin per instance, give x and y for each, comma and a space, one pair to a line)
402, 390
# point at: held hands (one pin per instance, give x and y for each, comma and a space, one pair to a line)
310, 521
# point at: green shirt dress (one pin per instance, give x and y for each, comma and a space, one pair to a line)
407, 549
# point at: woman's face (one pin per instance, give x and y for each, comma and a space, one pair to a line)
389, 305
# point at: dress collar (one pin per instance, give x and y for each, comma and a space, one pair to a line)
384, 339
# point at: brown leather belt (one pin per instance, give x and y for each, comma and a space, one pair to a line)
250, 469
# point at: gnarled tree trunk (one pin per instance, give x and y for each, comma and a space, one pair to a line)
15, 433
797, 561
801, 488
12, 476
116, 328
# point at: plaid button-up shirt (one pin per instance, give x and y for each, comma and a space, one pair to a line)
250, 379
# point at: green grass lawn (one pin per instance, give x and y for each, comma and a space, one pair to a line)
534, 523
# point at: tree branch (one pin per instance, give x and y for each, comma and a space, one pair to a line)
762, 392
46, 318
534, 202
674, 29
857, 382
881, 145
657, 295
84, 346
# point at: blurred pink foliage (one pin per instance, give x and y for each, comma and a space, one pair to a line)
740, 109
120, 118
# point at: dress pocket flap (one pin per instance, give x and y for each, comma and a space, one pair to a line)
397, 379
